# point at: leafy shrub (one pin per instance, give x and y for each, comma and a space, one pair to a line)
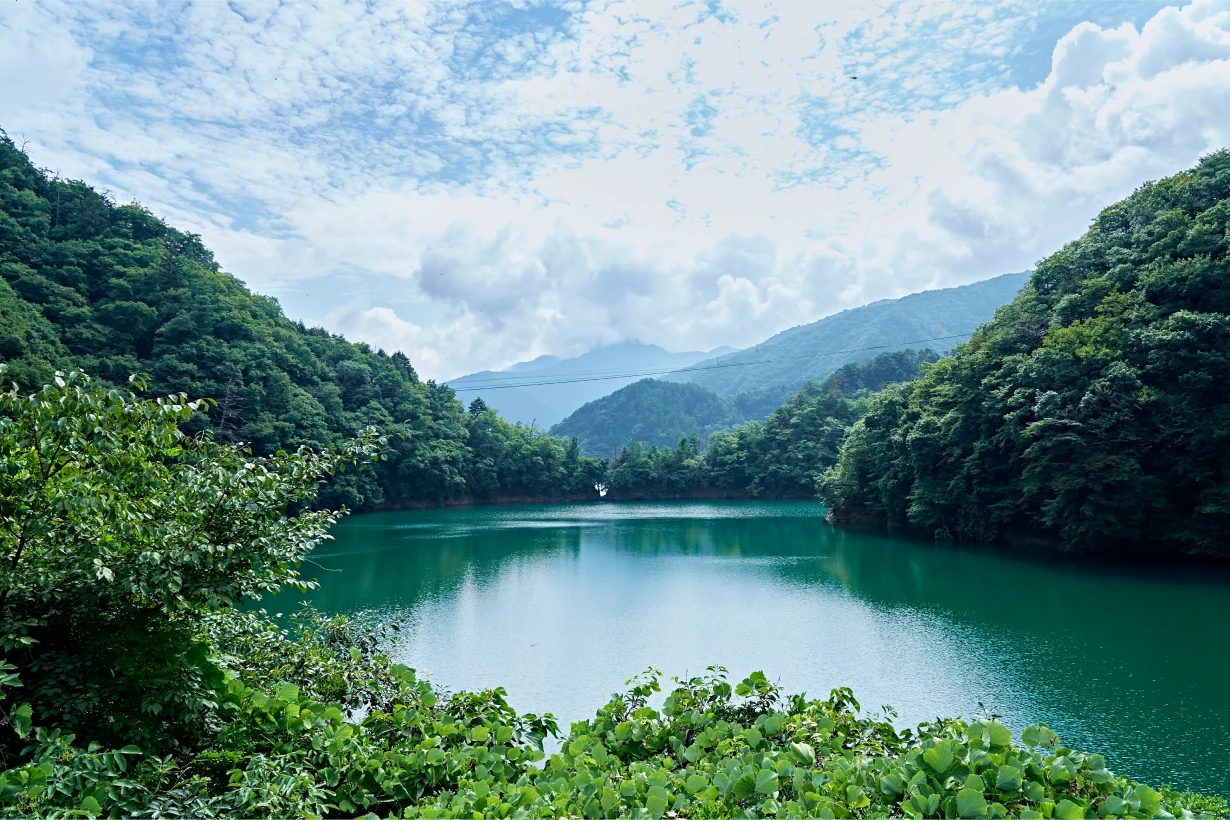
711, 750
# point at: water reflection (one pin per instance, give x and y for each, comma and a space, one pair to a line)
561, 604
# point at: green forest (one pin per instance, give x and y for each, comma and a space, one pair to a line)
1091, 413
113, 290
781, 457
650, 411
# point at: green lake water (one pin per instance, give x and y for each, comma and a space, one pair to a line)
561, 604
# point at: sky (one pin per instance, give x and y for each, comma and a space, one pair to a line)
479, 184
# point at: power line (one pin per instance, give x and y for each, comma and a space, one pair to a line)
701, 369
506, 379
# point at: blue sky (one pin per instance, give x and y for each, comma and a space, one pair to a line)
478, 184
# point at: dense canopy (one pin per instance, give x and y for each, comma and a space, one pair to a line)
1092, 412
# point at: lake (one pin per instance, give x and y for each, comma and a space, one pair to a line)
562, 604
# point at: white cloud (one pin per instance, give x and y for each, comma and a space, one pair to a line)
545, 180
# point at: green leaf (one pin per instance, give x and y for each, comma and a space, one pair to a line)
766, 781
804, 753
697, 783
479, 734
938, 757
1150, 801
890, 784
22, 720
971, 803
1067, 810
90, 806
1034, 791
1038, 735
856, 798
1001, 735
1009, 778
655, 805
288, 692
609, 799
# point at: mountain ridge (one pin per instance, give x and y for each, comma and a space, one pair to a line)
812, 351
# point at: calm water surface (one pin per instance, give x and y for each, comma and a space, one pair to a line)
561, 604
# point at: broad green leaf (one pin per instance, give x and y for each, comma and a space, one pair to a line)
697, 783
804, 753
856, 798
1001, 736
1150, 801
766, 781
938, 757
1009, 778
891, 784
1067, 810
971, 803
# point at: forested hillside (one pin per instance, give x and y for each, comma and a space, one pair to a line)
779, 458
1093, 411
811, 352
115, 291
651, 412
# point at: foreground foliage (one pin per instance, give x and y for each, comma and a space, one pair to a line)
133, 687
1092, 411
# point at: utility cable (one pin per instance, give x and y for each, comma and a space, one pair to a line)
644, 374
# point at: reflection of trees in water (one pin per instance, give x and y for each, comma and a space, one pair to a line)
398, 568
1118, 657
747, 537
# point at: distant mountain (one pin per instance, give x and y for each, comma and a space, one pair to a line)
652, 411
811, 352
547, 404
